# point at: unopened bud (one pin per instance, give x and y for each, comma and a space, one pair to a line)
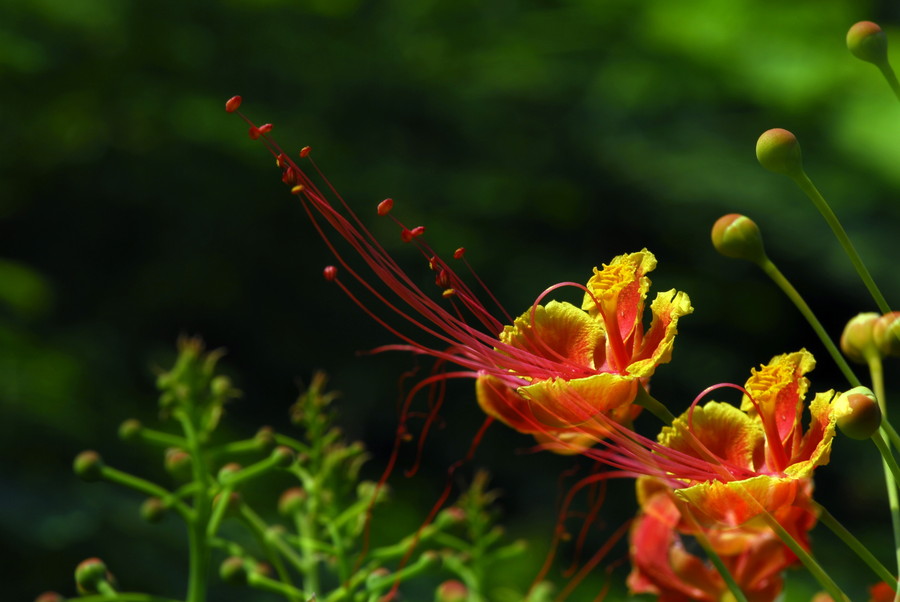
232, 571
867, 42
89, 574
291, 501
50, 597
153, 510
886, 332
778, 150
228, 470
265, 437
178, 463
452, 591
859, 416
88, 465
857, 340
738, 236
130, 429
283, 456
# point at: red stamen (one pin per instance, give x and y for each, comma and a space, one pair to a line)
304, 152
232, 104
458, 253
385, 206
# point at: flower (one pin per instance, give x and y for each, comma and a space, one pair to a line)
557, 371
663, 563
763, 457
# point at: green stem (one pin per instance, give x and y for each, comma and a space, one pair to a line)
144, 486
271, 585
654, 406
891, 470
888, 73
784, 284
854, 544
808, 561
199, 546
160, 438
806, 185
887, 429
703, 540
122, 597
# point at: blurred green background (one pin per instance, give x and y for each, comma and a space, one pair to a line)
544, 136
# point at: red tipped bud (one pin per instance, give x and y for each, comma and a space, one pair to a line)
452, 591
232, 104
50, 597
89, 574
886, 333
265, 437
859, 416
228, 470
857, 340
283, 456
738, 236
385, 206
291, 501
778, 150
330, 273
458, 253
153, 510
88, 465
232, 571
130, 429
867, 42
178, 463
304, 152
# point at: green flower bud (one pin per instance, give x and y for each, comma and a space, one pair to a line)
87, 465
867, 42
233, 571
228, 470
50, 597
452, 590
265, 437
738, 236
291, 501
153, 510
89, 574
859, 416
232, 505
178, 463
778, 150
130, 429
886, 333
283, 456
857, 340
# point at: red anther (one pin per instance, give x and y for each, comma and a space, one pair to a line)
448, 293
265, 128
289, 177
330, 273
281, 160
458, 253
406, 235
232, 104
254, 133
304, 151
433, 263
417, 231
297, 189
442, 279
385, 206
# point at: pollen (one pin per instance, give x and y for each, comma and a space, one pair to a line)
297, 189
232, 104
448, 293
385, 206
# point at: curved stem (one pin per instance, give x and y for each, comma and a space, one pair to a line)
854, 544
806, 185
784, 284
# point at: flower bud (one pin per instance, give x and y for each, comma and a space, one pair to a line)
227, 470
50, 597
859, 416
153, 510
291, 501
178, 463
778, 150
89, 574
130, 429
738, 236
452, 590
886, 333
857, 340
265, 437
867, 42
233, 571
88, 465
283, 456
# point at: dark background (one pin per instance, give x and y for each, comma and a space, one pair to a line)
544, 136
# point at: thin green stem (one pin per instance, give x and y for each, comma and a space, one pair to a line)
703, 540
808, 188
854, 544
654, 406
888, 430
891, 470
271, 585
784, 284
199, 556
888, 73
806, 558
122, 597
144, 486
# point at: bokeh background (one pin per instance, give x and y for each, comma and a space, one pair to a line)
545, 136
